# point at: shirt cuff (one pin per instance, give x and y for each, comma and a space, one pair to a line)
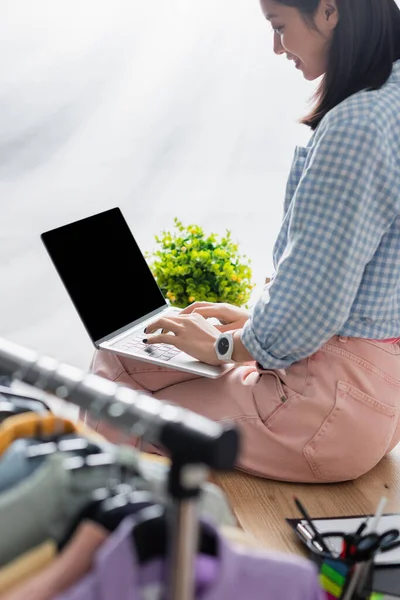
265, 359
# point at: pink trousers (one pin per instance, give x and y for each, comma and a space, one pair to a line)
330, 417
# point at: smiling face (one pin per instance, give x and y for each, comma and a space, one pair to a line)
304, 41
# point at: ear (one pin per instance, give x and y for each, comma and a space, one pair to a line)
328, 15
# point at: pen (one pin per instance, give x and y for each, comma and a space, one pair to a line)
315, 531
308, 536
362, 527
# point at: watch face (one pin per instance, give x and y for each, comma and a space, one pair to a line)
223, 346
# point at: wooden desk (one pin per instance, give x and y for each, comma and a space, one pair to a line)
261, 506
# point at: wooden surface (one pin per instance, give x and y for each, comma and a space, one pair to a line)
261, 506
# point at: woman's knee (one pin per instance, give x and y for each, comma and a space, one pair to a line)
107, 365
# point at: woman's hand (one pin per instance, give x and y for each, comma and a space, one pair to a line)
190, 333
231, 317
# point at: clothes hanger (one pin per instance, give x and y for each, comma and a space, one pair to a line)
154, 526
110, 515
68, 443
117, 497
60, 441
10, 408
111, 504
13, 395
113, 510
151, 533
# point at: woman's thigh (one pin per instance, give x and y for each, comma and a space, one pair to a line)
330, 417
244, 397
136, 374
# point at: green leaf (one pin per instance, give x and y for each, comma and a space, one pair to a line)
190, 263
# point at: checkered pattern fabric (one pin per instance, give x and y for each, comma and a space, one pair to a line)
337, 255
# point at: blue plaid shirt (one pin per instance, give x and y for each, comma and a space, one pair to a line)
337, 255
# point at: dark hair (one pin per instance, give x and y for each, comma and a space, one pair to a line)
365, 44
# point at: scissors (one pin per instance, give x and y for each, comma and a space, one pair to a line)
365, 547
355, 547
358, 548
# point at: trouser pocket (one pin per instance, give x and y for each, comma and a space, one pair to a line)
270, 396
354, 436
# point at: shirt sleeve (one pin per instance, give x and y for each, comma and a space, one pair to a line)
339, 213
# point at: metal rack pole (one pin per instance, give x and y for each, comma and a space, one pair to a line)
184, 486
179, 431
194, 443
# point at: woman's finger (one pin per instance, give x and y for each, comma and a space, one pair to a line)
189, 309
206, 311
162, 338
164, 323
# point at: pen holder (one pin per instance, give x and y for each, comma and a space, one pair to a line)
336, 578
345, 561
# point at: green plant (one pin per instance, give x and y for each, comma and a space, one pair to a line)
190, 265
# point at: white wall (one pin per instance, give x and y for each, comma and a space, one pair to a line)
163, 107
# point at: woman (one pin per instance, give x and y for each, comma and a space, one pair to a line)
316, 389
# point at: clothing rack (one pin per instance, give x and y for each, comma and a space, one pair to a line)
194, 443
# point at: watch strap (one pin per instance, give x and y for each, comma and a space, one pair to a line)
224, 346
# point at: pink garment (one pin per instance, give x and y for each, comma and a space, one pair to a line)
330, 417
71, 565
389, 341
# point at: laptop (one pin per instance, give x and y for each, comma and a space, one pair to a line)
114, 291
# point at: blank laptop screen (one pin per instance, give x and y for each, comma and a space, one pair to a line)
104, 272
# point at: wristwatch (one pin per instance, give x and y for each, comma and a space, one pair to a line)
224, 346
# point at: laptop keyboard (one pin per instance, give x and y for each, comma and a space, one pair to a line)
135, 342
